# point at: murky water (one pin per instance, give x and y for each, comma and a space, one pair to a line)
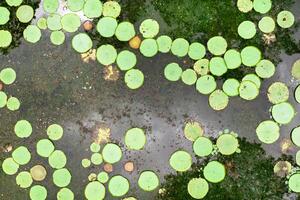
55, 86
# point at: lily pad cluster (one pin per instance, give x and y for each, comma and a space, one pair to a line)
111, 153
8, 77
282, 113
214, 171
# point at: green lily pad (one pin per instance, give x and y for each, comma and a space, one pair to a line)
218, 100
57, 37
294, 182
9, 166
149, 28
134, 78
266, 24
164, 43
94, 191
70, 22
232, 59
135, 139
32, 34
148, 181
5, 38
265, 69
82, 43
285, 19
3, 99
111, 153
227, 144
296, 69
217, 45
149, 48
8, 75
106, 54
180, 47
13, 104
250, 56
193, 130
283, 113
201, 67
214, 172
65, 194
297, 95
57, 159
14, 2
50, 6
4, 15
268, 132
54, 22
295, 136
231, 87
173, 72
107, 26
181, 161
24, 179
247, 29
55, 132
21, 155
42, 23
96, 159
202, 146
262, 6
95, 147
25, 13
125, 31
23, 129
196, 51
198, 188
254, 78
75, 5
126, 60
248, 90
206, 84
111, 9
245, 6
61, 177
92, 8
217, 66
118, 186
44, 148
189, 77
103, 177
85, 163
38, 192
278, 92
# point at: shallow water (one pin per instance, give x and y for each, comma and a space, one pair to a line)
55, 86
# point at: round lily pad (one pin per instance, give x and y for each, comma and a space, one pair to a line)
181, 161
189, 77
96, 159
24, 179
61, 177
65, 194
266, 24
282, 168
149, 28
201, 67
25, 13
227, 144
247, 29
262, 6
94, 191
254, 78
298, 158
57, 37
180, 47
294, 182
126, 60
57, 159
218, 100
217, 45
14, 2
82, 43
248, 90
268, 132
92, 8
250, 56
196, 51
283, 113
3, 99
202, 146
118, 186
278, 92
38, 192
8, 75
111, 9
125, 31
164, 43
107, 26
134, 78
193, 130
54, 22
217, 66
103, 177
85, 163
44, 148
75, 5
265, 69
214, 172
70, 22
111, 153
23, 129
295, 68
106, 54
285, 19
4, 15
42, 23
135, 139
55, 132
245, 5
232, 59
231, 87
149, 47
198, 188
21, 155
50, 6
297, 94
173, 72
38, 172
206, 84
9, 166
5, 38
32, 34
295, 136
148, 181
95, 147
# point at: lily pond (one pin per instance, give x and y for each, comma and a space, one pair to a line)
149, 99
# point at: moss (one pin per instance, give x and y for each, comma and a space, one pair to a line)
249, 176
14, 26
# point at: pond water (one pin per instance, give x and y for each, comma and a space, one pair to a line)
56, 86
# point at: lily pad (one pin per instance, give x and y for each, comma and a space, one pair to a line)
173, 72
126, 60
217, 45
202, 146
198, 188
218, 100
32, 34
5, 38
283, 113
134, 79
38, 192
231, 87
106, 54
44, 148
206, 84
23, 129
107, 26
268, 131
149, 48
189, 77
267, 24
164, 43
24, 179
193, 130
250, 56
248, 90
149, 28
135, 139
111, 9
92, 8
181, 161
21, 155
118, 186
111, 153
217, 66
125, 31
201, 67
214, 172
95, 191
180, 47
227, 144
278, 92
247, 29
196, 51
265, 69
148, 181
285, 19
8, 75
232, 59
82, 43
